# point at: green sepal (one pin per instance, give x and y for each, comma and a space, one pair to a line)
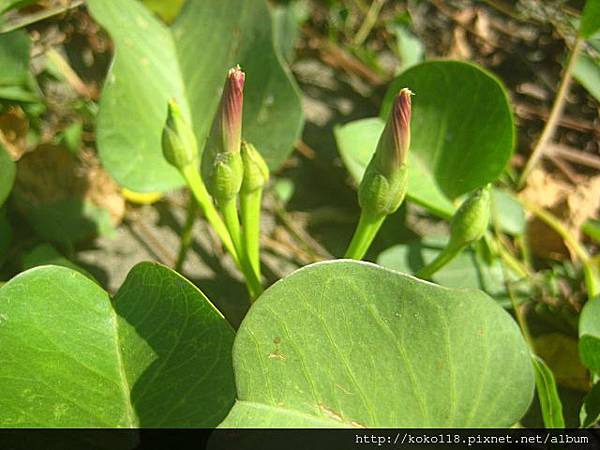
381, 195
223, 174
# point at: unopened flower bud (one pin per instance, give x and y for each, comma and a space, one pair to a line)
222, 167
383, 186
256, 172
471, 220
178, 140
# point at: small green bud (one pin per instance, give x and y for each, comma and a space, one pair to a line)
178, 140
471, 220
384, 183
222, 166
256, 172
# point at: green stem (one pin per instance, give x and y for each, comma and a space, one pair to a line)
250, 206
557, 107
521, 319
208, 209
232, 221
186, 234
443, 258
365, 232
520, 269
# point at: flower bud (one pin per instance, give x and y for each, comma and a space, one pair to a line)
471, 220
222, 167
256, 172
383, 186
178, 140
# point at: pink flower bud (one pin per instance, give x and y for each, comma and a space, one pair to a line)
395, 140
230, 111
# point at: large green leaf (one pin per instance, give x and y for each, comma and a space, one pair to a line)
589, 335
462, 125
7, 174
462, 132
159, 357
348, 343
189, 62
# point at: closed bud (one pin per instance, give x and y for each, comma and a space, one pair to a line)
222, 167
178, 140
383, 186
256, 172
471, 220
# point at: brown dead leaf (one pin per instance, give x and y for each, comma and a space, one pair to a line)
573, 205
13, 131
51, 173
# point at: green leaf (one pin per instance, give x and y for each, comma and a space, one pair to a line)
189, 62
462, 125
16, 81
347, 343
590, 19
46, 254
589, 334
467, 270
160, 357
68, 221
8, 172
590, 410
409, 47
587, 72
547, 392
510, 213
286, 27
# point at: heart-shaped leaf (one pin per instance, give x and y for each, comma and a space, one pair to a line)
159, 357
189, 62
348, 343
7, 177
462, 132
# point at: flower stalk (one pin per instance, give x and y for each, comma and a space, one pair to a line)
256, 176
